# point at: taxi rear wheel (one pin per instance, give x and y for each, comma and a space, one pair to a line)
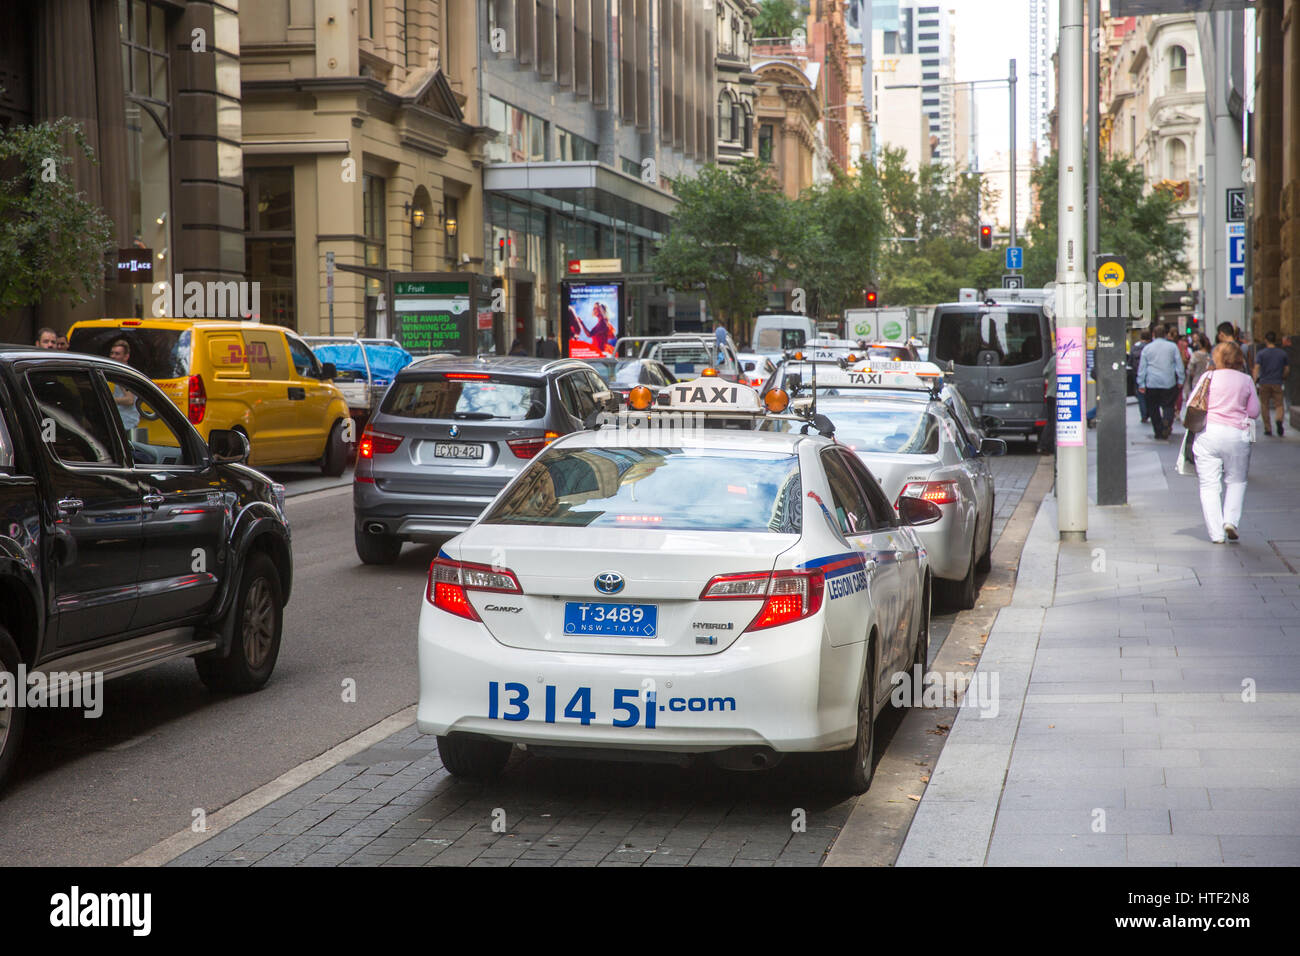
921, 656
475, 758
851, 770
960, 595
986, 559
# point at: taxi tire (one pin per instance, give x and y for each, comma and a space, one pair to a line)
376, 548
921, 655
986, 559
335, 459
851, 770
960, 595
259, 590
11, 735
475, 758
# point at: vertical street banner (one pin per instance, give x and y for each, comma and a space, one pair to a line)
1069, 386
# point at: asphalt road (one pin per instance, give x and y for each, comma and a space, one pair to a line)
95, 792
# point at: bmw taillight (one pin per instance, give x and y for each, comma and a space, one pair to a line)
788, 595
938, 492
529, 447
449, 580
197, 405
377, 443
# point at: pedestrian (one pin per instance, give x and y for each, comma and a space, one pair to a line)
1184, 354
1222, 450
1197, 364
550, 349
1270, 370
61, 344
1160, 376
125, 400
518, 348
1136, 357
47, 338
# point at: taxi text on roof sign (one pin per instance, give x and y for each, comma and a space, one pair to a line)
710, 394
920, 376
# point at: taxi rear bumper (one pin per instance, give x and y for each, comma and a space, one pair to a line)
786, 688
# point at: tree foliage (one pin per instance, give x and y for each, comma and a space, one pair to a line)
778, 18
52, 239
833, 244
932, 229
1141, 226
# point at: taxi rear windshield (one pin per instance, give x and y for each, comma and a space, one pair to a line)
897, 431
665, 488
157, 353
500, 398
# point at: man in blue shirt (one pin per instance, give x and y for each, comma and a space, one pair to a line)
1160, 377
1271, 367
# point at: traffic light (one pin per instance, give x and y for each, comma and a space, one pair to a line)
986, 236
871, 298
1193, 325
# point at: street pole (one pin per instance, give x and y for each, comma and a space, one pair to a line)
1094, 138
1201, 311
1071, 289
1011, 82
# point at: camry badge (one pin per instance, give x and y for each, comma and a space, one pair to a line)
454, 431
608, 582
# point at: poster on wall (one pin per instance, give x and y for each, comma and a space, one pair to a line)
430, 316
593, 313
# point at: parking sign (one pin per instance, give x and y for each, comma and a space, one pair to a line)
1236, 260
1015, 257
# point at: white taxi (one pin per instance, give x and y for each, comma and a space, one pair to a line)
670, 586
915, 435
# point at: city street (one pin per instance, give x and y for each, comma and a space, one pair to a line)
165, 747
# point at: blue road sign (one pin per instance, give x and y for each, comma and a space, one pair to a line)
1236, 259
1015, 257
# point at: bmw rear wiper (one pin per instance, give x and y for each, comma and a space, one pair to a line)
477, 416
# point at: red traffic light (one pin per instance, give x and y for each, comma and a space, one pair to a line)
986, 237
871, 297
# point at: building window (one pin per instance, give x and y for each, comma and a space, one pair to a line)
765, 133
725, 105
1177, 160
749, 129
575, 149
630, 166
451, 213
1177, 68
522, 136
374, 216
268, 247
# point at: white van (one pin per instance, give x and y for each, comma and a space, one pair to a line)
775, 333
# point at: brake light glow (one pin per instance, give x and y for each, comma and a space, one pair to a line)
460, 376
938, 492
449, 580
377, 443
198, 400
790, 595
526, 447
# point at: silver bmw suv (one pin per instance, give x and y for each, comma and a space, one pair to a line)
451, 432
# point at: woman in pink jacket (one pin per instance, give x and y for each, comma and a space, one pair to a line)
1222, 450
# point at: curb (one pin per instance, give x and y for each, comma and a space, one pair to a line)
161, 853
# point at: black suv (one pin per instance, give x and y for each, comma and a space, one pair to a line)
451, 432
125, 542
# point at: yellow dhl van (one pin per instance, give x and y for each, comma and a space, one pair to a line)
259, 379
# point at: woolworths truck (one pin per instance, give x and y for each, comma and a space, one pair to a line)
881, 325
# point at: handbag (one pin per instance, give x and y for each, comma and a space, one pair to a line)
1186, 463
1195, 414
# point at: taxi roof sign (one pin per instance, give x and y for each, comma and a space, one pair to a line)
911, 376
713, 395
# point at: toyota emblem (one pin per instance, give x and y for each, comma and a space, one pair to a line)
455, 430
609, 582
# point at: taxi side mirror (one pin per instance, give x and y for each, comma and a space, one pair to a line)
993, 447
917, 511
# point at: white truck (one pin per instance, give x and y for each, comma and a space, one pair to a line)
897, 324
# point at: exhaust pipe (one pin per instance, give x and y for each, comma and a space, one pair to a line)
376, 527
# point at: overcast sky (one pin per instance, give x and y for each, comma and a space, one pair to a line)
988, 34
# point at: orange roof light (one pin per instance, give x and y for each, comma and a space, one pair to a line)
709, 373
776, 400
640, 398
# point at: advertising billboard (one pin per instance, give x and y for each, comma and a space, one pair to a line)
593, 316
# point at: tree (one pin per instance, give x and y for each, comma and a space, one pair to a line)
777, 18
1142, 227
52, 239
723, 237
933, 218
833, 245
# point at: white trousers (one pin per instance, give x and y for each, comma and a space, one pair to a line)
1221, 455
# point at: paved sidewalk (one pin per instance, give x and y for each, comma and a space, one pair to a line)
1149, 688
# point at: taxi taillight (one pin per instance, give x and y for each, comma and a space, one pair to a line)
449, 580
938, 492
789, 595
